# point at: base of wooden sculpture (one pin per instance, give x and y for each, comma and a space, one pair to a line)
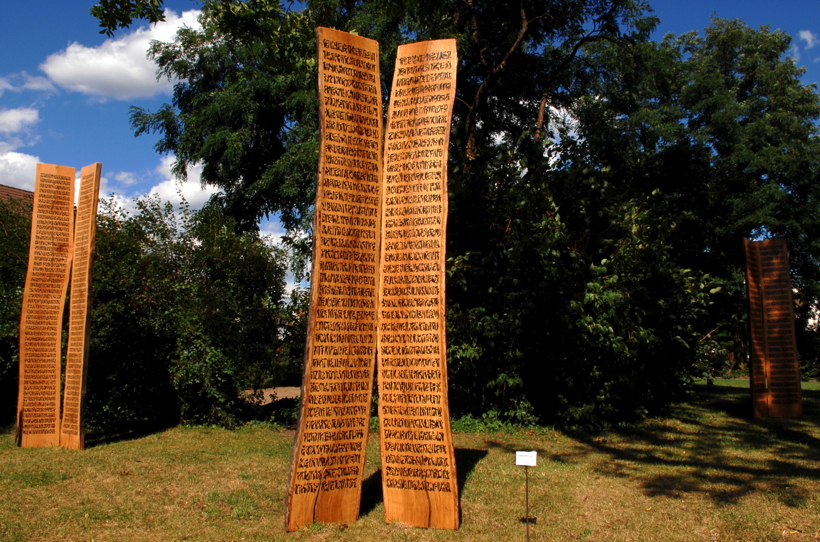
423, 509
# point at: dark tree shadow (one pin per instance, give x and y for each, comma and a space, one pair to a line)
734, 402
466, 461
98, 438
718, 449
513, 447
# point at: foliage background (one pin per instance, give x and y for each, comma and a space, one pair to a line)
600, 183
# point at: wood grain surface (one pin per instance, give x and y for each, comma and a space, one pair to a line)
72, 430
418, 465
328, 457
775, 370
38, 404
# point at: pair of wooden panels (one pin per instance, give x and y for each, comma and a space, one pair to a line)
378, 289
56, 245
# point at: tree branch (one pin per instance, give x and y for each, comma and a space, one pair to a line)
469, 123
542, 106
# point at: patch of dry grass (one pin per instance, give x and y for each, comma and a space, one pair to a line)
709, 472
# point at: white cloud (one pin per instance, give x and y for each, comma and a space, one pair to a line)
5, 85
112, 190
809, 37
118, 68
171, 189
18, 82
118, 201
15, 127
18, 170
13, 121
121, 189
37, 83
271, 230
126, 178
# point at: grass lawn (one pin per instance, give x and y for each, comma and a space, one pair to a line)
709, 472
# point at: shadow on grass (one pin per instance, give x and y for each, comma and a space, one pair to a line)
713, 446
371, 493
98, 438
466, 461
93, 439
511, 448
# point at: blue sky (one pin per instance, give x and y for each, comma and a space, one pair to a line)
65, 89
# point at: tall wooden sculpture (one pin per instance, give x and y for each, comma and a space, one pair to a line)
72, 429
54, 246
418, 464
378, 289
328, 455
775, 371
52, 226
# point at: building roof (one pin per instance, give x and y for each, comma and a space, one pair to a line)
9, 192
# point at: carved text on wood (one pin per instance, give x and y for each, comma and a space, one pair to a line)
72, 430
38, 405
378, 286
328, 456
418, 465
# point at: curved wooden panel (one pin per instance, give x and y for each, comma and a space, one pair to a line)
52, 226
418, 465
72, 430
329, 452
775, 370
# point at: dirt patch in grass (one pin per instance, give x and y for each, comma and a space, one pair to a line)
708, 472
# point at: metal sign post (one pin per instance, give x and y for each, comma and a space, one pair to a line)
527, 460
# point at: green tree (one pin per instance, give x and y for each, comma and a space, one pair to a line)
245, 108
115, 14
746, 105
722, 126
187, 315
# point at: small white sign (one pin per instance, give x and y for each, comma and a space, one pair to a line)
525, 459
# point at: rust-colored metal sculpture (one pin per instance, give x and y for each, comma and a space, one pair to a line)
775, 371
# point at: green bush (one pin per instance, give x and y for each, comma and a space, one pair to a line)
187, 315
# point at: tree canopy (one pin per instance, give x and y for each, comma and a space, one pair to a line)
600, 183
